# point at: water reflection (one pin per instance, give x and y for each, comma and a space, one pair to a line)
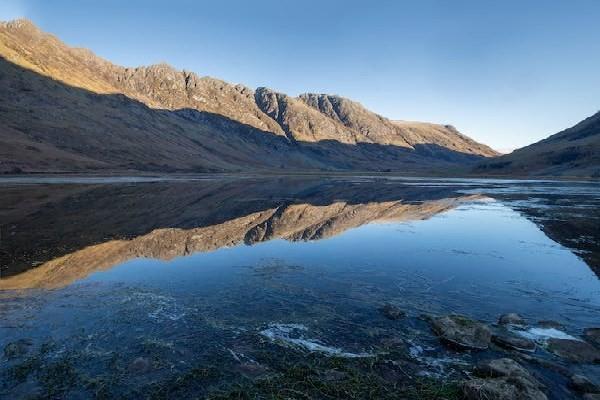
181, 287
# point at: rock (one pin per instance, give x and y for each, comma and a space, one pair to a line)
392, 312
509, 340
502, 367
582, 384
140, 365
511, 319
462, 332
576, 351
547, 324
334, 375
500, 389
592, 335
17, 348
503, 379
591, 396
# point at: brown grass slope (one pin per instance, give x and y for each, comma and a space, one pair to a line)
66, 109
572, 152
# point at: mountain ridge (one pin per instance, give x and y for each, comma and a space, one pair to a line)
332, 122
574, 151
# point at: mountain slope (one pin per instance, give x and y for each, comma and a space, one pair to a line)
67, 109
572, 152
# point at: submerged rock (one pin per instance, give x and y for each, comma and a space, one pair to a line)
576, 351
511, 319
512, 341
392, 312
582, 384
592, 335
548, 324
139, 366
17, 348
503, 379
462, 332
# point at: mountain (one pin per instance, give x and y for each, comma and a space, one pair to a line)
65, 109
572, 152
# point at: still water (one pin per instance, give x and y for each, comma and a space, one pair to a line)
273, 287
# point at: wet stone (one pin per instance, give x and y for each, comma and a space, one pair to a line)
512, 341
17, 348
334, 375
549, 324
511, 319
461, 332
582, 384
503, 379
392, 312
592, 335
139, 366
576, 351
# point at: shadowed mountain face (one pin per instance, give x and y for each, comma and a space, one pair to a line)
65, 109
572, 152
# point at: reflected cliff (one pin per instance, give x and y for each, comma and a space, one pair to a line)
57, 234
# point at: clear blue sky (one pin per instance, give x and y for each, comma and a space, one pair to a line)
507, 73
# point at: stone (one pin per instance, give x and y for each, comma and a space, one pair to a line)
502, 367
502, 379
582, 384
17, 348
550, 324
500, 389
140, 365
576, 351
591, 396
509, 340
592, 335
461, 332
392, 312
334, 375
511, 319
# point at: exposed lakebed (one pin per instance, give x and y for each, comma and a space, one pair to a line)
298, 288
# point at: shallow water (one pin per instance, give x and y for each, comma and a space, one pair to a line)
159, 288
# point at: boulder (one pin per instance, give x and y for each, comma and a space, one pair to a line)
592, 335
500, 389
17, 348
502, 379
392, 312
140, 365
509, 340
502, 367
550, 324
511, 319
576, 351
582, 384
461, 332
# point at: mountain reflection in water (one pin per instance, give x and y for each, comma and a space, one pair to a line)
70, 231
53, 235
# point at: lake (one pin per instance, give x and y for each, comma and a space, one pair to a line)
287, 287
